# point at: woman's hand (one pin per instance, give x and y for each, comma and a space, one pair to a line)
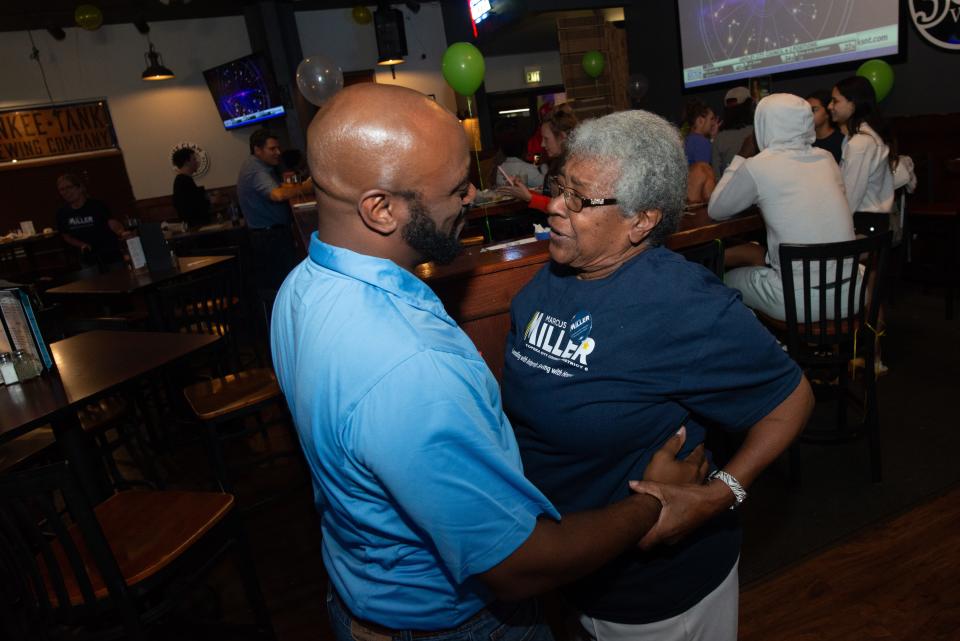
517, 189
664, 467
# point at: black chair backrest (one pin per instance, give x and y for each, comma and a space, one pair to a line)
840, 287
710, 255
37, 549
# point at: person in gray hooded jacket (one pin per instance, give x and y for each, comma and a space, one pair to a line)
798, 188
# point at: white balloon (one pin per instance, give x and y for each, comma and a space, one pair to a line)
318, 79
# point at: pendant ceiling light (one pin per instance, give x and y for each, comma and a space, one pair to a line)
391, 37
155, 68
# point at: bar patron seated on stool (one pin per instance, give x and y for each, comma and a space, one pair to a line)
263, 199
799, 189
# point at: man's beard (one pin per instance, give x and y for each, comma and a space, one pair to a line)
421, 233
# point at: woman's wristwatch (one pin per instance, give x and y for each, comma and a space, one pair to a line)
739, 494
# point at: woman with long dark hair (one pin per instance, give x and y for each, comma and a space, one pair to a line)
866, 161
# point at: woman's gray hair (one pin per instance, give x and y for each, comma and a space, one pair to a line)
652, 164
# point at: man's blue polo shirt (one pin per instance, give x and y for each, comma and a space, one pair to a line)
254, 184
416, 471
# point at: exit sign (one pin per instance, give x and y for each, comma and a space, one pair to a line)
531, 75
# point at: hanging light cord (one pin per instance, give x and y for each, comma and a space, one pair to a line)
35, 55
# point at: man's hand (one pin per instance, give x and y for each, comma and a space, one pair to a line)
685, 508
664, 467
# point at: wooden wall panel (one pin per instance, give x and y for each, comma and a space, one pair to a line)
30, 190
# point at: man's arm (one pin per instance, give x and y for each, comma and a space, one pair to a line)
557, 553
287, 191
686, 507
560, 552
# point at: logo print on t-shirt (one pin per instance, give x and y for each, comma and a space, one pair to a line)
80, 221
580, 326
560, 340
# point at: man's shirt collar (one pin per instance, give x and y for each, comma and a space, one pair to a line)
380, 273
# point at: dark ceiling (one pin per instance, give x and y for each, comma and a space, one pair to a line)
535, 32
18, 15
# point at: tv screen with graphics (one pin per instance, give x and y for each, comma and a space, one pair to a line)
724, 40
244, 91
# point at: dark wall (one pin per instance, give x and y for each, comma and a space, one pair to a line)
926, 81
30, 190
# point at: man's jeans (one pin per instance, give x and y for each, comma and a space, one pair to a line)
504, 622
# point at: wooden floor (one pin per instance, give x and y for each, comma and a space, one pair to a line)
897, 580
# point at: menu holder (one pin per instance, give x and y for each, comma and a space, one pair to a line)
155, 249
135, 249
20, 328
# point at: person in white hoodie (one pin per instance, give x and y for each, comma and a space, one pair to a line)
865, 163
798, 188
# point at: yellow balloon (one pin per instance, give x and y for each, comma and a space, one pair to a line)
88, 16
362, 15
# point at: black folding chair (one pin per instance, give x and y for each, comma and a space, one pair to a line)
832, 294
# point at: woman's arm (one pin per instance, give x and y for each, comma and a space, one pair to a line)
686, 507
855, 168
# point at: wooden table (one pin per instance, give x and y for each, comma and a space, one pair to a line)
477, 287
88, 366
121, 284
28, 255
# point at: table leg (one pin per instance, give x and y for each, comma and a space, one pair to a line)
84, 457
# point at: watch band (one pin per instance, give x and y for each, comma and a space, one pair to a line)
739, 494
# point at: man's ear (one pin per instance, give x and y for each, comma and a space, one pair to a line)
376, 208
644, 223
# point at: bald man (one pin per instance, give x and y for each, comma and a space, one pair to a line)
427, 518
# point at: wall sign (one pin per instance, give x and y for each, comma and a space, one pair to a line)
27, 133
938, 21
203, 161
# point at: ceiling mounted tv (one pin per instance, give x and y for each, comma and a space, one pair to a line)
724, 40
488, 16
244, 91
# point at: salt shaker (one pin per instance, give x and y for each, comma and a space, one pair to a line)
8, 372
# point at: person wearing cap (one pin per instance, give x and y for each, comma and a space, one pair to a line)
737, 124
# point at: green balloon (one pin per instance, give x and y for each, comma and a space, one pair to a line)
463, 68
593, 63
880, 75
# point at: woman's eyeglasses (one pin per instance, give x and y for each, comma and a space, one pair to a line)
574, 201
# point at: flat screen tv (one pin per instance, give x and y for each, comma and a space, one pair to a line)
244, 91
489, 16
724, 40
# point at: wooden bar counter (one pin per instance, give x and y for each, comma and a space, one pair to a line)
478, 286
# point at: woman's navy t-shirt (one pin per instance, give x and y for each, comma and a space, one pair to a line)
599, 374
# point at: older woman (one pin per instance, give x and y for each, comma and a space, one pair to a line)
612, 346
